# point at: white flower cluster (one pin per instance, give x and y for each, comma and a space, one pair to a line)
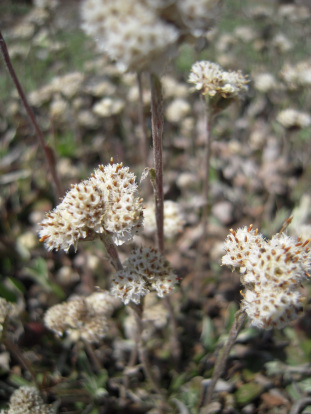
138, 34
128, 31
297, 75
82, 317
212, 80
106, 202
291, 118
173, 220
272, 274
27, 400
145, 271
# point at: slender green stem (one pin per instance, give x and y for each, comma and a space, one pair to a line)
222, 357
157, 121
48, 152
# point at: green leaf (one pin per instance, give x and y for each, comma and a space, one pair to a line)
247, 393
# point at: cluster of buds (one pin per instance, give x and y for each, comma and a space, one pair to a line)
82, 318
210, 79
106, 202
272, 273
146, 270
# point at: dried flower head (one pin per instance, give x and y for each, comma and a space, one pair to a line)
297, 75
129, 31
145, 271
273, 271
212, 80
107, 202
82, 318
27, 400
291, 118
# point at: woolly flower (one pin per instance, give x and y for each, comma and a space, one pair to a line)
129, 31
106, 202
27, 400
173, 220
212, 80
82, 318
146, 270
265, 82
297, 75
272, 273
290, 118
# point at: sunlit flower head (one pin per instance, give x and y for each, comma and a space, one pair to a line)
107, 202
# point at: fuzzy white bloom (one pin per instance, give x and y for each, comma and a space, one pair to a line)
272, 273
265, 82
173, 220
82, 317
27, 400
297, 75
108, 107
212, 80
291, 118
145, 271
177, 110
129, 31
107, 202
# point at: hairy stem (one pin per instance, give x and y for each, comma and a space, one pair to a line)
222, 357
48, 152
157, 121
111, 250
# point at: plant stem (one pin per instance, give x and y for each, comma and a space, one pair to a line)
222, 357
111, 250
144, 135
143, 356
157, 121
48, 152
206, 169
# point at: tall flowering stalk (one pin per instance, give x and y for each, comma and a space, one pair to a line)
218, 88
272, 272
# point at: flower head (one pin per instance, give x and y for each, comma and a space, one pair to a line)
27, 400
129, 31
145, 271
80, 317
212, 80
107, 202
272, 273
